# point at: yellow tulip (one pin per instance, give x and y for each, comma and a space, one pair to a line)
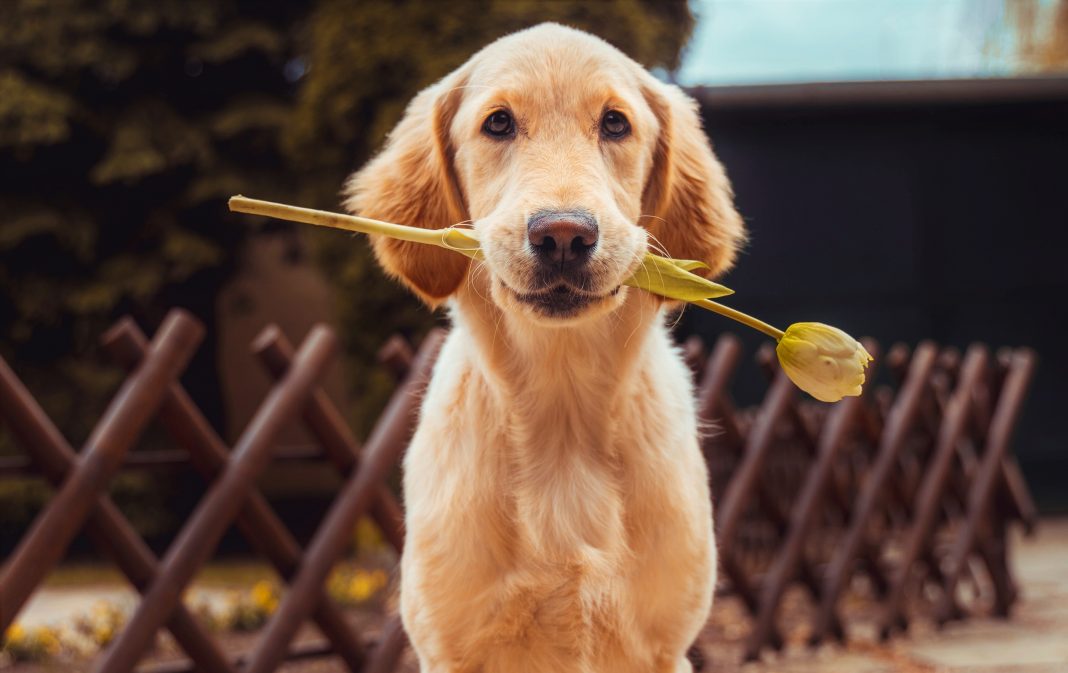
822, 360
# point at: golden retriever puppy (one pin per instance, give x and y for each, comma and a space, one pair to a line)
558, 509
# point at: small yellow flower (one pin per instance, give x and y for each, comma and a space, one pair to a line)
100, 625
362, 586
264, 596
16, 633
49, 640
823, 361
368, 536
31, 644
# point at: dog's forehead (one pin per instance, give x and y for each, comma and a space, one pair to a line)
553, 63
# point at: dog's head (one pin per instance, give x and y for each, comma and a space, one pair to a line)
569, 160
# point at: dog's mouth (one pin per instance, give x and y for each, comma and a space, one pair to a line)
562, 300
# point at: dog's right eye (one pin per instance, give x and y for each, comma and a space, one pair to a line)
499, 125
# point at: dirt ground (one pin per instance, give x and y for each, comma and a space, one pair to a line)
1034, 640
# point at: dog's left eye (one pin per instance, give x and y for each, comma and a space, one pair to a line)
499, 125
614, 125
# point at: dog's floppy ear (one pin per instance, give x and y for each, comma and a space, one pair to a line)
688, 191
412, 181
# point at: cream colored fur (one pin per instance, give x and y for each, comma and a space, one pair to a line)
557, 504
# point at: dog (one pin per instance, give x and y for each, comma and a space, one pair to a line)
557, 503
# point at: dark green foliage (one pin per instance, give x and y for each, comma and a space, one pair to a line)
123, 128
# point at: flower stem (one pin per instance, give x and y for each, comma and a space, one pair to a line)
459, 242
743, 318
322, 218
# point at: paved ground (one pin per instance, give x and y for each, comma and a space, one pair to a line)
1035, 640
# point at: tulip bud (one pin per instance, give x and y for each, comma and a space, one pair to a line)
823, 361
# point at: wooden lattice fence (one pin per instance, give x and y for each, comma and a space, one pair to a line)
910, 486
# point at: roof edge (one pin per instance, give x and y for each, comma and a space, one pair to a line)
887, 93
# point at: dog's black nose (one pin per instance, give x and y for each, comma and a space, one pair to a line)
562, 239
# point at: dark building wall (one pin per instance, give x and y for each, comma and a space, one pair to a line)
907, 211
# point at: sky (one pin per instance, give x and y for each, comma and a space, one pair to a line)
767, 41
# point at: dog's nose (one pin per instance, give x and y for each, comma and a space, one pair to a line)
562, 238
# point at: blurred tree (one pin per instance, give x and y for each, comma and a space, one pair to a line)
365, 61
124, 125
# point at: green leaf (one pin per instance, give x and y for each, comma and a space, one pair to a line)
690, 264
671, 278
462, 241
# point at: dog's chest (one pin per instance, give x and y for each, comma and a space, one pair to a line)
552, 544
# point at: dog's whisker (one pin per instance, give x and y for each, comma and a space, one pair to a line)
471, 86
480, 267
657, 245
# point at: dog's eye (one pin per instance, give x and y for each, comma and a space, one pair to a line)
614, 125
499, 124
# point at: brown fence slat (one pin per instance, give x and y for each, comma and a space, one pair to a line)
127, 415
384, 447
898, 424
157, 459
198, 538
330, 429
1010, 403
389, 648
839, 426
127, 345
713, 402
742, 485
107, 527
932, 490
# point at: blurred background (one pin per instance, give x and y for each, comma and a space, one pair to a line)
900, 163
